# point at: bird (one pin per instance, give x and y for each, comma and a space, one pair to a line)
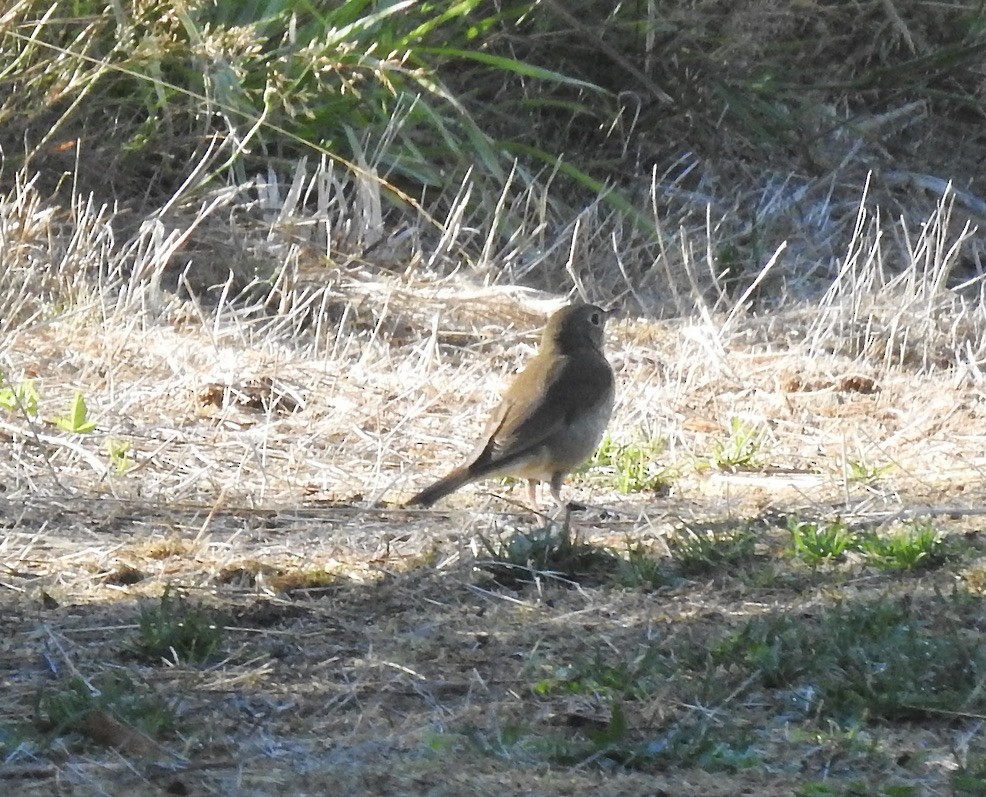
552, 416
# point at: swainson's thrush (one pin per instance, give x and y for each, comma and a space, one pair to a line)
553, 415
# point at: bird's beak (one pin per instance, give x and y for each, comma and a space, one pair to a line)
616, 305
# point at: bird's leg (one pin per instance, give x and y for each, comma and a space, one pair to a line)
556, 489
532, 493
564, 511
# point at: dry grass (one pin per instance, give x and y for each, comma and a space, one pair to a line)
269, 452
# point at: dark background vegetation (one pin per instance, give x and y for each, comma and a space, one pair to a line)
767, 114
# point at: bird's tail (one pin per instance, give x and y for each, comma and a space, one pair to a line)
447, 484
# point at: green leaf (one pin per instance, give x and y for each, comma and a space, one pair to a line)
77, 420
117, 451
20, 398
513, 65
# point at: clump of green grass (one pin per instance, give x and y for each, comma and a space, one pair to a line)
817, 542
741, 450
632, 466
615, 735
549, 551
915, 546
877, 659
845, 666
641, 569
600, 676
611, 736
356, 83
67, 708
845, 742
599, 741
15, 736
178, 630
970, 778
510, 740
607, 741
702, 550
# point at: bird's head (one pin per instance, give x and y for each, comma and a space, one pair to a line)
577, 326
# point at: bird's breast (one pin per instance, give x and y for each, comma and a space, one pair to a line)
578, 439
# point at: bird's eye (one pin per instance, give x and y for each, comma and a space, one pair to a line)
595, 319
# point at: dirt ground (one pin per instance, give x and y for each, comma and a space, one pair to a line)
367, 647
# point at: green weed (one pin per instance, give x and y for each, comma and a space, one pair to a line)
817, 542
876, 659
14, 736
67, 708
22, 397
547, 551
742, 450
631, 679
596, 743
698, 550
864, 473
632, 466
917, 546
77, 421
641, 569
179, 631
118, 451
970, 779
693, 741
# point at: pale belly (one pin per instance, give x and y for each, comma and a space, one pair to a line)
564, 451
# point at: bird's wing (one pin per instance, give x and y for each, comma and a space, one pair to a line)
565, 389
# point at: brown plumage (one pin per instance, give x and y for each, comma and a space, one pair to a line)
552, 417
